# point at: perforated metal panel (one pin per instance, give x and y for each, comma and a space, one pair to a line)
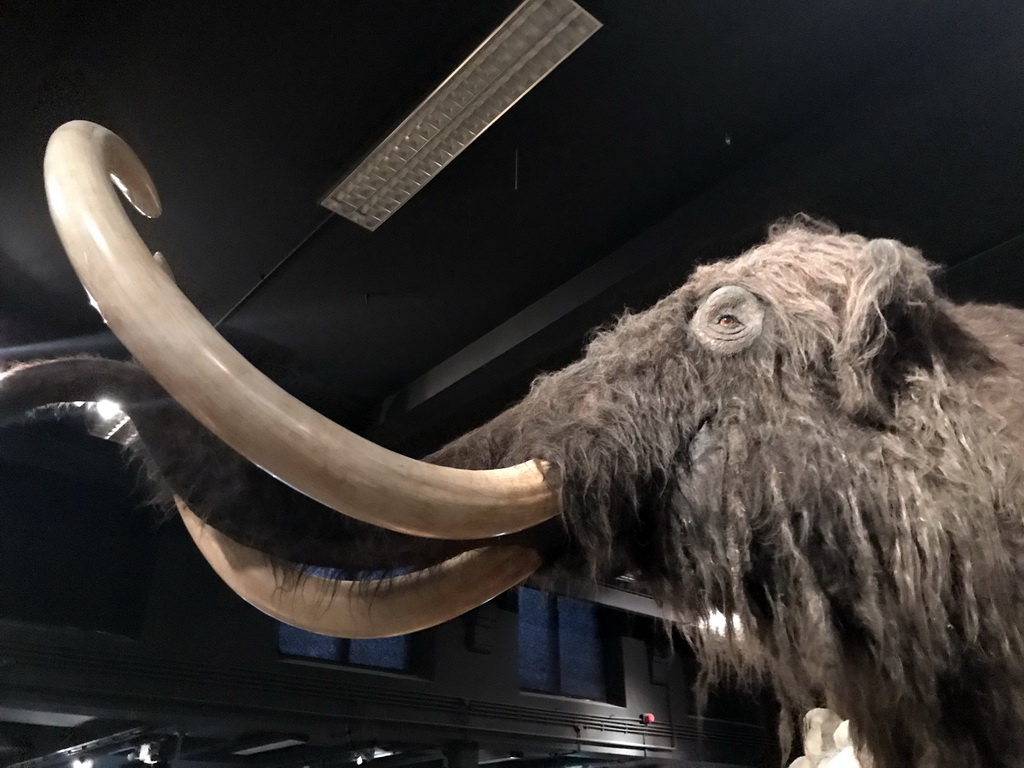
528, 45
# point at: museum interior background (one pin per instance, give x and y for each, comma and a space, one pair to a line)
673, 133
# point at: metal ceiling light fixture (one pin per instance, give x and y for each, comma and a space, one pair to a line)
529, 44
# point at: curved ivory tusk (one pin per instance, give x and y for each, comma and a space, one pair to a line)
218, 386
359, 609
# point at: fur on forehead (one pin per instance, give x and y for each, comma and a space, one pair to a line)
806, 266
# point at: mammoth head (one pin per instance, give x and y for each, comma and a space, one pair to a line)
767, 388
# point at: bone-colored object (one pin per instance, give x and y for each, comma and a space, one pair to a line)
182, 351
841, 737
819, 727
361, 609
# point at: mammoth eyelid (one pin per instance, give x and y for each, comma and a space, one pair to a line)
729, 320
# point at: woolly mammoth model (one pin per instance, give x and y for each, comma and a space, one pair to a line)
807, 439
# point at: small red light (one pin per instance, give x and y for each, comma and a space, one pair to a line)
647, 718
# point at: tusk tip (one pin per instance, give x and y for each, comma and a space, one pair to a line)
126, 170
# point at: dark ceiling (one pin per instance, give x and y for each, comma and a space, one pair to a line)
704, 121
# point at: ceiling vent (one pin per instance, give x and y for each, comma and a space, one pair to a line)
529, 44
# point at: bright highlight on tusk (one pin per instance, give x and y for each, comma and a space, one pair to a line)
108, 409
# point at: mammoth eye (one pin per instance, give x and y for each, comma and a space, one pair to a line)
728, 320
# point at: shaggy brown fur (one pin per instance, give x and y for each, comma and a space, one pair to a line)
847, 486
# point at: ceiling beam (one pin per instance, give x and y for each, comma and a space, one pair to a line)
620, 599
99, 746
520, 343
